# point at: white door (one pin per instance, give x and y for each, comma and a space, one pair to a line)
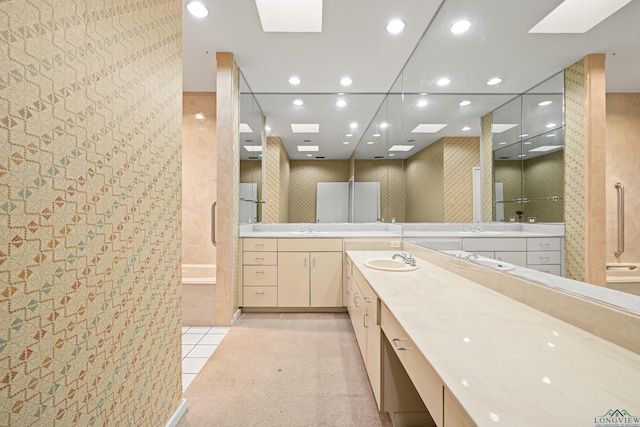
247, 210
366, 202
476, 175
332, 202
499, 203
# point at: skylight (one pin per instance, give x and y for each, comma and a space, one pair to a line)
305, 127
502, 127
577, 16
428, 128
245, 128
290, 16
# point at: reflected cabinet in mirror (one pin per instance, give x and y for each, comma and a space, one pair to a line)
251, 191
528, 155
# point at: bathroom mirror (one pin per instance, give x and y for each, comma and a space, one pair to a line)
252, 142
528, 161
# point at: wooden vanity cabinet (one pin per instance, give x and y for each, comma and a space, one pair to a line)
309, 272
259, 273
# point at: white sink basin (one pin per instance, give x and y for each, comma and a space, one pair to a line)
481, 233
308, 233
387, 264
494, 263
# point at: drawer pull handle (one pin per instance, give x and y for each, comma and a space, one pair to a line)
260, 272
364, 320
259, 258
544, 245
395, 344
368, 299
259, 245
260, 293
314, 262
544, 257
348, 292
355, 299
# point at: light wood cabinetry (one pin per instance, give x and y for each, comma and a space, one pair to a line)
293, 279
259, 273
454, 415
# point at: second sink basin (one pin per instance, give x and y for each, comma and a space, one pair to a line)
387, 264
308, 233
494, 263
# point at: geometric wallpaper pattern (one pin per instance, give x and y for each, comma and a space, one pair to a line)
574, 163
543, 176
90, 166
425, 184
460, 156
272, 159
487, 168
391, 176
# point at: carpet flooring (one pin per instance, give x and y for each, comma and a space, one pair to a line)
284, 369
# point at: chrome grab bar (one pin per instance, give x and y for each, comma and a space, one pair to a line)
620, 250
213, 223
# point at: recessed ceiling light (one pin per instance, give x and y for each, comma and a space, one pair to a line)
253, 148
353, 125
245, 128
422, 103
523, 135
346, 81
341, 103
199, 116
298, 102
345, 143
384, 125
197, 9
460, 26
526, 143
443, 81
550, 135
546, 148
522, 155
308, 148
294, 80
370, 142
465, 103
543, 103
502, 143
349, 135
391, 155
267, 128
309, 155
466, 128
401, 147
428, 128
376, 134
305, 127
550, 125
396, 26
494, 81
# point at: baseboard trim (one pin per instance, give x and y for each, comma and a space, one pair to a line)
294, 309
177, 415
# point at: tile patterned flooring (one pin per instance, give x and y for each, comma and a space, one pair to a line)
198, 344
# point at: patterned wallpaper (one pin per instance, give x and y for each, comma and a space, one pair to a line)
543, 176
574, 164
90, 167
509, 173
305, 174
623, 158
285, 180
390, 174
272, 166
425, 184
460, 155
199, 180
487, 168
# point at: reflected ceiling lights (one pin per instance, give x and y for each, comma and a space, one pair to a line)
345, 143
494, 81
391, 155
376, 134
305, 127
199, 116
369, 142
543, 103
308, 148
353, 125
460, 26
466, 128
401, 147
422, 103
502, 143
384, 125
309, 155
245, 128
443, 81
550, 125
396, 26
346, 81
465, 103
294, 80
253, 148
428, 128
267, 128
197, 9
349, 135
341, 103
298, 102
501, 127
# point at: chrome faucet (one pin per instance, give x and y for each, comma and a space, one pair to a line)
469, 257
407, 258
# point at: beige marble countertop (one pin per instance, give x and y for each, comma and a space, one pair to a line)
506, 363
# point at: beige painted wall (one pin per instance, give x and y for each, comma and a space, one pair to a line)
425, 184
390, 174
304, 176
460, 156
623, 165
90, 184
199, 179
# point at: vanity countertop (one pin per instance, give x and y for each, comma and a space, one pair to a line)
321, 235
504, 361
472, 234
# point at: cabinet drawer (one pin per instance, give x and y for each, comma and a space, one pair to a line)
310, 245
260, 245
473, 244
260, 258
551, 269
260, 296
254, 275
424, 378
454, 414
543, 243
548, 257
369, 298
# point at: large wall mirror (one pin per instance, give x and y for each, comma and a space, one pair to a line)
528, 155
252, 142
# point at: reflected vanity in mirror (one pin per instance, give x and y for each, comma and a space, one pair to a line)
252, 142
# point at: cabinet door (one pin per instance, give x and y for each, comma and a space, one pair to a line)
293, 279
326, 279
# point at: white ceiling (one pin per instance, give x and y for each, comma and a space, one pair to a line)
354, 43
